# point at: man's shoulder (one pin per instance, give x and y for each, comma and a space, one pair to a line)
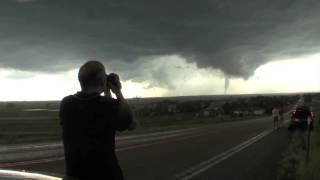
68, 98
67, 101
71, 99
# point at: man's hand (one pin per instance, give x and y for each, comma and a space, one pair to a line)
115, 85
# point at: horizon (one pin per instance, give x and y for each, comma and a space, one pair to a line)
173, 97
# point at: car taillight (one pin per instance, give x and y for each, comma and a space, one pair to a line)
294, 112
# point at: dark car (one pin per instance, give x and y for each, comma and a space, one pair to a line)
300, 117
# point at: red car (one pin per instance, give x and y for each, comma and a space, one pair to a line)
300, 117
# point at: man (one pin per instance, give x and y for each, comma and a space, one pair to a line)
89, 123
281, 116
275, 116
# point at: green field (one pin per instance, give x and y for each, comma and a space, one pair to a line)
35, 128
29, 129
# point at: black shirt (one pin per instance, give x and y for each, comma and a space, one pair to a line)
89, 124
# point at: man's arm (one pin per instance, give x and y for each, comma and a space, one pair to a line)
125, 117
125, 114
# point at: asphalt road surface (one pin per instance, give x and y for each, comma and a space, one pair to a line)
234, 150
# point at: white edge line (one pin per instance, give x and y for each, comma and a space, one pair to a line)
205, 165
5, 165
26, 175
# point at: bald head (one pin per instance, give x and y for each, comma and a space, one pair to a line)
91, 75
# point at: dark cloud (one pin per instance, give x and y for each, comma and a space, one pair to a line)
231, 35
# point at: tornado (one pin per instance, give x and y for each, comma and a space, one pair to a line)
226, 84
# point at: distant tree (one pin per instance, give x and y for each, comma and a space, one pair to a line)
161, 108
190, 106
229, 107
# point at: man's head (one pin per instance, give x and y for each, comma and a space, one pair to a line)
92, 76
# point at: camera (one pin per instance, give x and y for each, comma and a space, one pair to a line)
112, 78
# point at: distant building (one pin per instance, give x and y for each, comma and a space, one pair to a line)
241, 112
258, 111
213, 109
143, 111
169, 106
154, 108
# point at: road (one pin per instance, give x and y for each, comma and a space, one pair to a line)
234, 150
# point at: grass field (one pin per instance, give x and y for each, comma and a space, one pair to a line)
310, 170
37, 127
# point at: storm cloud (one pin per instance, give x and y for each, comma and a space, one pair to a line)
235, 36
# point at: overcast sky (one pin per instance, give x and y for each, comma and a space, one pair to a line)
160, 47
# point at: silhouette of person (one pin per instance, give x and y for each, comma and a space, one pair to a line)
276, 118
281, 116
89, 123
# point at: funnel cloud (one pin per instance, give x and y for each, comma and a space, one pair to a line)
226, 84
